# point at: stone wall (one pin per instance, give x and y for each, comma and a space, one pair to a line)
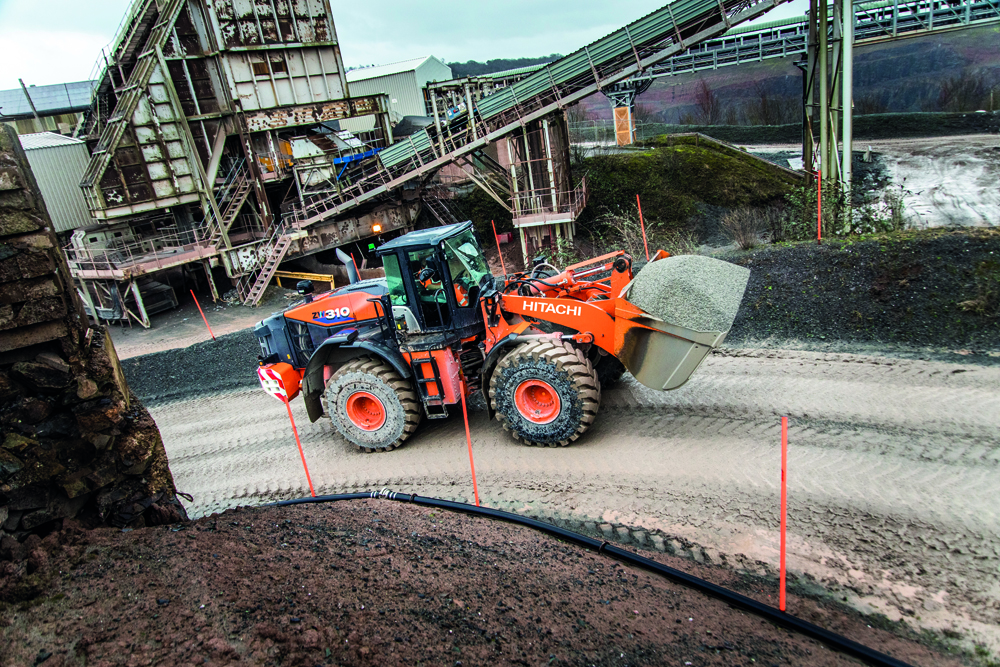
74, 441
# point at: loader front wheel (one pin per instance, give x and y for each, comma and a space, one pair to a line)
545, 393
371, 405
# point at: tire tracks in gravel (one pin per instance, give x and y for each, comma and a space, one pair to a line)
893, 468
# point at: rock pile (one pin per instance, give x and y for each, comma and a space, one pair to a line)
691, 291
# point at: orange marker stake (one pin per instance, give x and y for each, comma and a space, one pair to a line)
498, 247
202, 315
784, 510
468, 440
643, 226
312, 492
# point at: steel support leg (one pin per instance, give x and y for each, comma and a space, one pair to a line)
143, 316
207, 264
847, 90
824, 91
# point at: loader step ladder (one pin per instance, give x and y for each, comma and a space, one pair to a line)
433, 405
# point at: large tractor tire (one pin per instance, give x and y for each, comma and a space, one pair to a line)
545, 393
609, 371
372, 405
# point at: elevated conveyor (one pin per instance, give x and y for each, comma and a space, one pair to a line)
630, 50
874, 22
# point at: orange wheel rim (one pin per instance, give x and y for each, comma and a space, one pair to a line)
537, 401
365, 411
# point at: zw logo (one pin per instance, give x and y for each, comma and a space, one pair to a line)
332, 314
557, 308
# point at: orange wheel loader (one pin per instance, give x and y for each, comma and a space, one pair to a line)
378, 356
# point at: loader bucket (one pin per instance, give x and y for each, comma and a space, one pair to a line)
673, 313
660, 355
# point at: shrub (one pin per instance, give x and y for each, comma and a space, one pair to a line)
744, 226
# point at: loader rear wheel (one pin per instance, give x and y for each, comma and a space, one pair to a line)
371, 405
545, 393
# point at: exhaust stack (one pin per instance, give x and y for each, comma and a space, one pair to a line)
352, 269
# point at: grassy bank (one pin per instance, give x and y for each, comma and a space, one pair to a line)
673, 180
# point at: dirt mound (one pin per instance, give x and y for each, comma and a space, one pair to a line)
378, 583
935, 288
224, 364
691, 291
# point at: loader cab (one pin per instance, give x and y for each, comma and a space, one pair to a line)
434, 277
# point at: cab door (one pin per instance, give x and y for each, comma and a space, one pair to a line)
416, 289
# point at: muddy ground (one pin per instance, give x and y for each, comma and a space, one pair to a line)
893, 463
944, 181
378, 583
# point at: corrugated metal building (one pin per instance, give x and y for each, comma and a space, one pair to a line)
403, 82
58, 163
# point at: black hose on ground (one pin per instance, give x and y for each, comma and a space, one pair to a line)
833, 640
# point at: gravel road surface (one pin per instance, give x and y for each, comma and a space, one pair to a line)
893, 470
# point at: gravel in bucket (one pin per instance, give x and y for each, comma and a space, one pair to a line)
691, 291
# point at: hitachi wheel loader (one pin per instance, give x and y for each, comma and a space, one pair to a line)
378, 356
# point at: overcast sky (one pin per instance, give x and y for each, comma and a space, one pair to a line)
57, 41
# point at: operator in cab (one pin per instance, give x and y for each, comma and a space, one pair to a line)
428, 279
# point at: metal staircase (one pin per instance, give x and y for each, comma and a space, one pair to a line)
231, 196
668, 31
441, 211
130, 94
251, 286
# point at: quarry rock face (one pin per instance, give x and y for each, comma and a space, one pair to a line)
74, 440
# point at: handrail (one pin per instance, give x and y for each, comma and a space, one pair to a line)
886, 19
102, 64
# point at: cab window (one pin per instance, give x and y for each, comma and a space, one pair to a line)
394, 281
427, 269
467, 267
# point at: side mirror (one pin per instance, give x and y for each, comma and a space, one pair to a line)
305, 288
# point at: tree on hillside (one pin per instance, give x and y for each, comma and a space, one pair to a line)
968, 91
709, 109
869, 103
476, 68
766, 108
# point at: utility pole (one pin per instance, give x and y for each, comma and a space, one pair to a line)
847, 90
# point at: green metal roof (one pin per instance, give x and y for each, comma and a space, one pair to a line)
514, 72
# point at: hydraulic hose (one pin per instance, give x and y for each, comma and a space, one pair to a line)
538, 266
833, 640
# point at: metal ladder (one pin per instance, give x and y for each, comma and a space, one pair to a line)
441, 211
434, 406
236, 189
252, 289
